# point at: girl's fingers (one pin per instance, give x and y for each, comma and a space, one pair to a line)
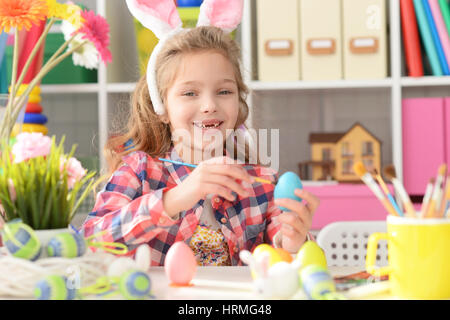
293, 220
227, 182
298, 209
312, 202
229, 167
291, 204
294, 235
212, 188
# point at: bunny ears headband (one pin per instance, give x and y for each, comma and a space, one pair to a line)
161, 17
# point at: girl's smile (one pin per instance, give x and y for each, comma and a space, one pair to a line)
203, 98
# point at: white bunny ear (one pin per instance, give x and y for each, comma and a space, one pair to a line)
262, 263
224, 14
160, 16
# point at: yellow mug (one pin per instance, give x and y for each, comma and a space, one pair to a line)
418, 255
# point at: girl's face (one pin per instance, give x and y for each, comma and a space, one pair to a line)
203, 100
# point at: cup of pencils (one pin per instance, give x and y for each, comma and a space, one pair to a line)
418, 241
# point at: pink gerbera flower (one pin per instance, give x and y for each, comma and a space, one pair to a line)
96, 29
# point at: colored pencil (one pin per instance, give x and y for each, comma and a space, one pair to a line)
389, 172
367, 178
257, 179
445, 204
434, 205
386, 191
427, 197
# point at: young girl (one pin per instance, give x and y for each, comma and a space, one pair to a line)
193, 83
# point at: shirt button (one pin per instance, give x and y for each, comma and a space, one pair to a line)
217, 200
223, 220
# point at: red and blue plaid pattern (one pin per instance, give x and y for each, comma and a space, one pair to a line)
130, 208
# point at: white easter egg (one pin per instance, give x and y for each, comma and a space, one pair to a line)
143, 257
121, 265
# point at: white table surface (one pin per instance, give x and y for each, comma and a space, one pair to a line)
227, 283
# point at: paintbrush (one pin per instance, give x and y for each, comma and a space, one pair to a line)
445, 200
367, 178
427, 197
386, 191
434, 204
257, 179
389, 172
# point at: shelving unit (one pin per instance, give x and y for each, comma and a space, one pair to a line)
398, 85
308, 106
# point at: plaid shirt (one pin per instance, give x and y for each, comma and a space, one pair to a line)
130, 208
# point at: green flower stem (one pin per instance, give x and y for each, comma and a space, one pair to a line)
34, 52
51, 63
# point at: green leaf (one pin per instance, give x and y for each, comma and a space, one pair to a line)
82, 197
31, 194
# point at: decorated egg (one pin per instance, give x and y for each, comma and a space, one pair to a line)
311, 253
54, 287
21, 241
180, 264
285, 187
67, 245
135, 284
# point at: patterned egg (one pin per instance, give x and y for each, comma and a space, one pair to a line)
21, 241
180, 264
135, 284
285, 187
53, 287
68, 245
317, 282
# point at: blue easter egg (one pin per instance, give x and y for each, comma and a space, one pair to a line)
285, 187
21, 241
66, 244
54, 287
135, 284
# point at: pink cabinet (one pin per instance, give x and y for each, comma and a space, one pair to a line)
426, 144
345, 202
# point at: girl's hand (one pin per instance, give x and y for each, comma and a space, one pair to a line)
214, 176
297, 221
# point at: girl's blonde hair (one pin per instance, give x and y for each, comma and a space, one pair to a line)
145, 128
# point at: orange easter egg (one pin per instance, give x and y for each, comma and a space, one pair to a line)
285, 255
274, 257
180, 264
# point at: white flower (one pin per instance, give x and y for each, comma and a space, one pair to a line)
86, 56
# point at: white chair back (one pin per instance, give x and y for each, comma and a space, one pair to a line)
345, 243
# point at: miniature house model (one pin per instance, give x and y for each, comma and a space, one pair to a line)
334, 154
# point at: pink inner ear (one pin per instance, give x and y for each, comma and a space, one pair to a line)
164, 10
226, 14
